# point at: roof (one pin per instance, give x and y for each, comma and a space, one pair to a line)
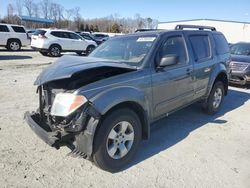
231, 21
35, 19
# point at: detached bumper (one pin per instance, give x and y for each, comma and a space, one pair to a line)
43, 131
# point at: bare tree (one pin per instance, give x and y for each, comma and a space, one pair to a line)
19, 7
45, 8
29, 6
77, 17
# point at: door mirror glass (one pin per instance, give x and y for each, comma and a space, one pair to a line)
168, 60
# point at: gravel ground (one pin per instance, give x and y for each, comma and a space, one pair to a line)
187, 149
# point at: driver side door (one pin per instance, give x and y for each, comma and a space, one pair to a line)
172, 86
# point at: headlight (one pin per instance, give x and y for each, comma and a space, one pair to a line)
66, 103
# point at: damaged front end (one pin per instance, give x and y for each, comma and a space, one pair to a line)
74, 129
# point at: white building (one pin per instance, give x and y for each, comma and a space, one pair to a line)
234, 31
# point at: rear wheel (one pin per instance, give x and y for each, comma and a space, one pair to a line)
117, 140
14, 45
216, 96
55, 50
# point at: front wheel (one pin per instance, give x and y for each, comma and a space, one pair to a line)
117, 140
216, 96
89, 49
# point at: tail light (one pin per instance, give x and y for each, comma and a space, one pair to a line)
42, 37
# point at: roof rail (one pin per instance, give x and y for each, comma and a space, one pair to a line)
181, 27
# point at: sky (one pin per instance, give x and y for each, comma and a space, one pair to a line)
162, 10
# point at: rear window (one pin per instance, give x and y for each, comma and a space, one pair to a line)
221, 43
39, 32
18, 29
4, 28
201, 46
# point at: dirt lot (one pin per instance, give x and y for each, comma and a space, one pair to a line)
187, 149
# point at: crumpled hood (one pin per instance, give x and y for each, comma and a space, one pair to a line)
241, 58
66, 66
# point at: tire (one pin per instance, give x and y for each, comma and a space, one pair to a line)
14, 45
110, 138
44, 53
55, 50
89, 49
215, 99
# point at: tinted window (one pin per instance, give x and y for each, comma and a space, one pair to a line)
4, 28
86, 36
39, 32
18, 29
240, 49
74, 36
221, 44
56, 34
174, 46
201, 46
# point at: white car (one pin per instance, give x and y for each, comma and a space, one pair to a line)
13, 37
53, 41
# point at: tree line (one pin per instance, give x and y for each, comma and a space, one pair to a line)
72, 19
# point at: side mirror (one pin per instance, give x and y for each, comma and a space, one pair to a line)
168, 60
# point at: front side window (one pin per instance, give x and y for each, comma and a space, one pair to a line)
175, 46
4, 28
74, 36
201, 46
130, 49
18, 29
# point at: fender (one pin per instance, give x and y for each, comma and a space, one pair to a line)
108, 99
219, 68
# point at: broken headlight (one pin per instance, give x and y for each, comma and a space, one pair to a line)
66, 103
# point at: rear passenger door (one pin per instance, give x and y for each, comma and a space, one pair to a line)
172, 85
203, 58
4, 34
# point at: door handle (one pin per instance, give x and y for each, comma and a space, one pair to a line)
207, 69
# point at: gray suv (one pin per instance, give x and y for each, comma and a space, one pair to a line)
102, 106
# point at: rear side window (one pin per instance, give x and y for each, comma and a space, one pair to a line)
201, 46
4, 28
56, 34
18, 29
39, 32
221, 43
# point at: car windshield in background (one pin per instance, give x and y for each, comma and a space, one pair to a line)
39, 32
240, 49
130, 50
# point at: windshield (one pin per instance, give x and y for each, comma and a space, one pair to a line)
240, 49
130, 50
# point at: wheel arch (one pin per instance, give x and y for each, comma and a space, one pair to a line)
14, 39
135, 107
55, 44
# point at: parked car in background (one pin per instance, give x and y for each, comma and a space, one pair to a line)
30, 32
53, 41
89, 36
13, 37
240, 65
100, 36
102, 105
